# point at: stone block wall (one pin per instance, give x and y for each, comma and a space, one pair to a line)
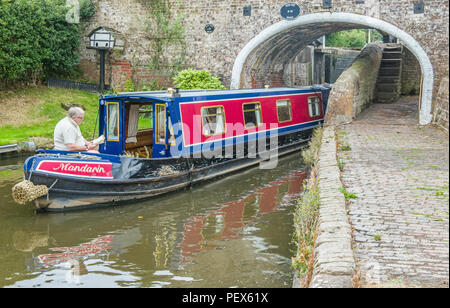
354, 90
129, 60
440, 113
334, 262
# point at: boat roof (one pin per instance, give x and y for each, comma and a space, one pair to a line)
200, 95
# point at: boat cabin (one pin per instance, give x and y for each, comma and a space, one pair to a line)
160, 124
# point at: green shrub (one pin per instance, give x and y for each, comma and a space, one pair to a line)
195, 79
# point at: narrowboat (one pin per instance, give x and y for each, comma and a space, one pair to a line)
160, 141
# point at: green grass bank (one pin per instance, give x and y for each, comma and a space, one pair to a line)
306, 214
30, 114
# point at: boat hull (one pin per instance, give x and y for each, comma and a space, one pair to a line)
69, 194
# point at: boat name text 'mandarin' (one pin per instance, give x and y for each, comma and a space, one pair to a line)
83, 169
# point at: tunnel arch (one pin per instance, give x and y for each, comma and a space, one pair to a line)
312, 26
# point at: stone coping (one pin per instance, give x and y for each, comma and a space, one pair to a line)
334, 262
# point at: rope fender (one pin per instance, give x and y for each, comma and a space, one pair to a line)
26, 191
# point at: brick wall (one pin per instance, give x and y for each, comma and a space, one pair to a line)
410, 83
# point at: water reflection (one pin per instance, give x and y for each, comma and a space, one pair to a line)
227, 233
233, 217
97, 247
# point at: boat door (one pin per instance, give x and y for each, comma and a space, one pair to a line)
111, 119
160, 148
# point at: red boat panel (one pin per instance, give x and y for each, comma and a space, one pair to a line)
233, 109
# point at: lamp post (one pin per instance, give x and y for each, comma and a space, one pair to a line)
102, 40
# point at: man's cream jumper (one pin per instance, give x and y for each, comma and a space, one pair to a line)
66, 132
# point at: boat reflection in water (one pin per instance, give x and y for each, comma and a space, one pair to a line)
189, 239
228, 222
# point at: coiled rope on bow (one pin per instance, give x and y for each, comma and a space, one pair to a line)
26, 191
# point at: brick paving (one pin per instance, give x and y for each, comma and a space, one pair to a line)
399, 173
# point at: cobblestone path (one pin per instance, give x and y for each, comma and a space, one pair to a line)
399, 174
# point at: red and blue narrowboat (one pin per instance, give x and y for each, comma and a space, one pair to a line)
161, 141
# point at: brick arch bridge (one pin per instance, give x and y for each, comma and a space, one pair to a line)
272, 49
256, 41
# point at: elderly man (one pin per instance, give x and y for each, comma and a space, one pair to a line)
67, 135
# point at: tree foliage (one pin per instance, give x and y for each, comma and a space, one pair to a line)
348, 38
36, 41
193, 79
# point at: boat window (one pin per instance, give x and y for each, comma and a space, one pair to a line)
160, 118
284, 110
313, 106
252, 115
213, 120
113, 121
145, 117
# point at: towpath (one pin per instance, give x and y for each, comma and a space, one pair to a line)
398, 173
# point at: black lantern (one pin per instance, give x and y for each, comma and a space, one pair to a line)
102, 40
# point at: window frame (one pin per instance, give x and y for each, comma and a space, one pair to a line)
260, 114
204, 116
316, 106
156, 126
290, 109
108, 137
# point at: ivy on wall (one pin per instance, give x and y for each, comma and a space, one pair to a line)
165, 32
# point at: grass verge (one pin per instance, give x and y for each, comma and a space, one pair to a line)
307, 213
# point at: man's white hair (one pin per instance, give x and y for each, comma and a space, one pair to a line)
75, 112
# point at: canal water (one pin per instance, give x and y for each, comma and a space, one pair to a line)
233, 232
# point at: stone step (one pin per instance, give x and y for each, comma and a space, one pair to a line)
386, 97
392, 50
397, 48
391, 55
388, 79
388, 84
387, 87
391, 60
395, 63
395, 71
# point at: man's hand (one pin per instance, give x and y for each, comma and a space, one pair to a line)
91, 146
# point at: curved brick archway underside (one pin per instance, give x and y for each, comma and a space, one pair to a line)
275, 46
